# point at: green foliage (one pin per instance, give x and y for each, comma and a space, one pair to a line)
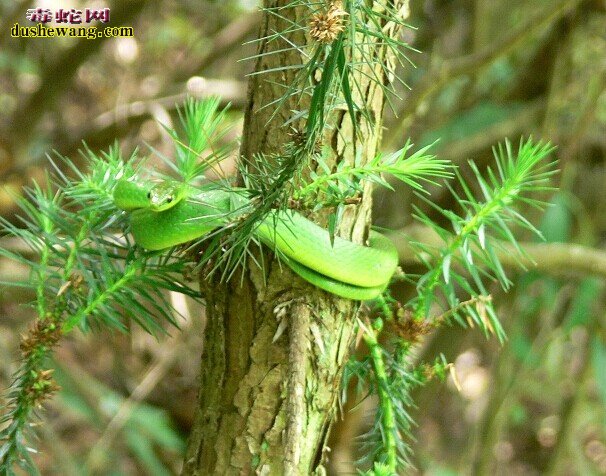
386, 372
89, 274
195, 150
468, 244
347, 181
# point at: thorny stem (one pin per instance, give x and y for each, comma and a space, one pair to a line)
319, 182
47, 227
384, 307
74, 320
36, 385
73, 252
385, 404
508, 190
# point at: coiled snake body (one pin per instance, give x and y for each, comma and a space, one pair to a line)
169, 213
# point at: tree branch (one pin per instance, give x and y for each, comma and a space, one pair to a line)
552, 258
57, 77
103, 130
225, 39
448, 70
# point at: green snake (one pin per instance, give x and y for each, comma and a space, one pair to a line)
170, 213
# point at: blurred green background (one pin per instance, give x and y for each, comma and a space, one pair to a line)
486, 70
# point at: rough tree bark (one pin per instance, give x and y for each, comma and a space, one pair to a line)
267, 399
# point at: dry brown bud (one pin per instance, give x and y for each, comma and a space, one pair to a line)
326, 26
44, 333
409, 328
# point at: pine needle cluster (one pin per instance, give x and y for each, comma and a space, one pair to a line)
460, 266
468, 244
85, 273
341, 50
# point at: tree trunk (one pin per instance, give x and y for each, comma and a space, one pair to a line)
267, 398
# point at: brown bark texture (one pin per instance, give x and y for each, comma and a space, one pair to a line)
275, 346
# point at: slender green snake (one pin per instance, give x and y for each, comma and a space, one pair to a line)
170, 213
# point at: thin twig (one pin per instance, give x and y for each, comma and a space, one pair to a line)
226, 39
451, 69
154, 375
229, 90
59, 74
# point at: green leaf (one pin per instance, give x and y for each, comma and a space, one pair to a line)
446, 268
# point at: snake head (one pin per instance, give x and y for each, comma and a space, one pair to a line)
164, 195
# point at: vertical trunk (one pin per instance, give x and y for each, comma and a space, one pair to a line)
267, 397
